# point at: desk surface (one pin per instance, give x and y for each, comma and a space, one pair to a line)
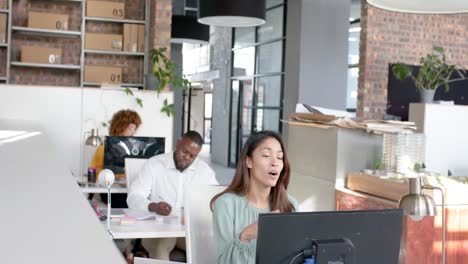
153, 228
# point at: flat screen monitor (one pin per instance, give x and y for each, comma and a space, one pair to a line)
338, 237
116, 149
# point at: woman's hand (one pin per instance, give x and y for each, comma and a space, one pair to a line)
251, 231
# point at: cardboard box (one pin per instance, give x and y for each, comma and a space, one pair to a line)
112, 42
47, 21
130, 37
3, 27
141, 38
105, 9
103, 74
45, 55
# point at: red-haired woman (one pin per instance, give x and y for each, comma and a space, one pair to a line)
259, 186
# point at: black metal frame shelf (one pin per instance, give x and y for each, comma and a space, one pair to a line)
120, 53
129, 21
44, 65
47, 32
120, 84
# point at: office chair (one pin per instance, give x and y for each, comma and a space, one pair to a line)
199, 223
132, 168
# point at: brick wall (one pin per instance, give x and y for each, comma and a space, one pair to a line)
389, 37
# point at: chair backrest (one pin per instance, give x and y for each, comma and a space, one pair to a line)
199, 223
132, 168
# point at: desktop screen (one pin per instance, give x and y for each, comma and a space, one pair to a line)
338, 237
116, 149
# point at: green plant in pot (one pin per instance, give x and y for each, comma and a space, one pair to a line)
166, 72
434, 73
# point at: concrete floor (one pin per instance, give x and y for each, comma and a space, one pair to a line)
224, 174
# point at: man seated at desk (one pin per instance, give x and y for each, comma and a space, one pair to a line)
159, 187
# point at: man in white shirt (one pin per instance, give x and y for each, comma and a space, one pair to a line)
159, 187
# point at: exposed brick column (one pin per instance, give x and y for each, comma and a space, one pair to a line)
390, 37
161, 20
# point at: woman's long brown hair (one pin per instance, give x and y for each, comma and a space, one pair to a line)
241, 183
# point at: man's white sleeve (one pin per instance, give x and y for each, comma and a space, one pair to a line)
140, 189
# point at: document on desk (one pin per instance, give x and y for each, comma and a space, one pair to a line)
145, 215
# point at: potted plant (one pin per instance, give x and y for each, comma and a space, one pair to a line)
166, 72
434, 73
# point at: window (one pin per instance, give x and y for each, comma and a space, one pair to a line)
257, 78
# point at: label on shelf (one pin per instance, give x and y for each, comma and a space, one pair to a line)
105, 9
47, 21
110, 42
103, 74
3, 27
44, 55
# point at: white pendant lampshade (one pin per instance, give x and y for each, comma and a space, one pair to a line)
232, 13
422, 6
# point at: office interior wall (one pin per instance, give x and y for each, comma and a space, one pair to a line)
66, 113
389, 37
316, 54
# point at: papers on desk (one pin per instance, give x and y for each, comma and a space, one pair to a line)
145, 215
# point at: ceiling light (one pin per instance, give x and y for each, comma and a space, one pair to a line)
232, 13
422, 6
186, 29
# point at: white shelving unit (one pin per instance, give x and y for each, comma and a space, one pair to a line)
4, 11
4, 45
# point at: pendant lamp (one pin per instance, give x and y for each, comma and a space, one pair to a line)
232, 13
422, 6
186, 29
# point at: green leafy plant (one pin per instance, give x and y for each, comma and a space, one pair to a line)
166, 72
434, 71
138, 100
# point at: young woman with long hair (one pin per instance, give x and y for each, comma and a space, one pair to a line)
259, 186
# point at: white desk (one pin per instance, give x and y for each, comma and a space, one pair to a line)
152, 228
96, 188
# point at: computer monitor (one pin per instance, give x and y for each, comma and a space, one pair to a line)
337, 237
116, 149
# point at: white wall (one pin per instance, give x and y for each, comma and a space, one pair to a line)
445, 129
65, 113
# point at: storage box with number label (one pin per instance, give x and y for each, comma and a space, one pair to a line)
43, 55
103, 74
112, 42
47, 21
105, 9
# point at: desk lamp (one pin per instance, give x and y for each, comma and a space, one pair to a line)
107, 178
418, 205
92, 141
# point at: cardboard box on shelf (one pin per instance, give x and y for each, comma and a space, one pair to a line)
4, 4
105, 9
3, 27
47, 20
103, 74
44, 55
130, 37
110, 42
141, 38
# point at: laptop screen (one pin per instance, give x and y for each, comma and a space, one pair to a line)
116, 149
